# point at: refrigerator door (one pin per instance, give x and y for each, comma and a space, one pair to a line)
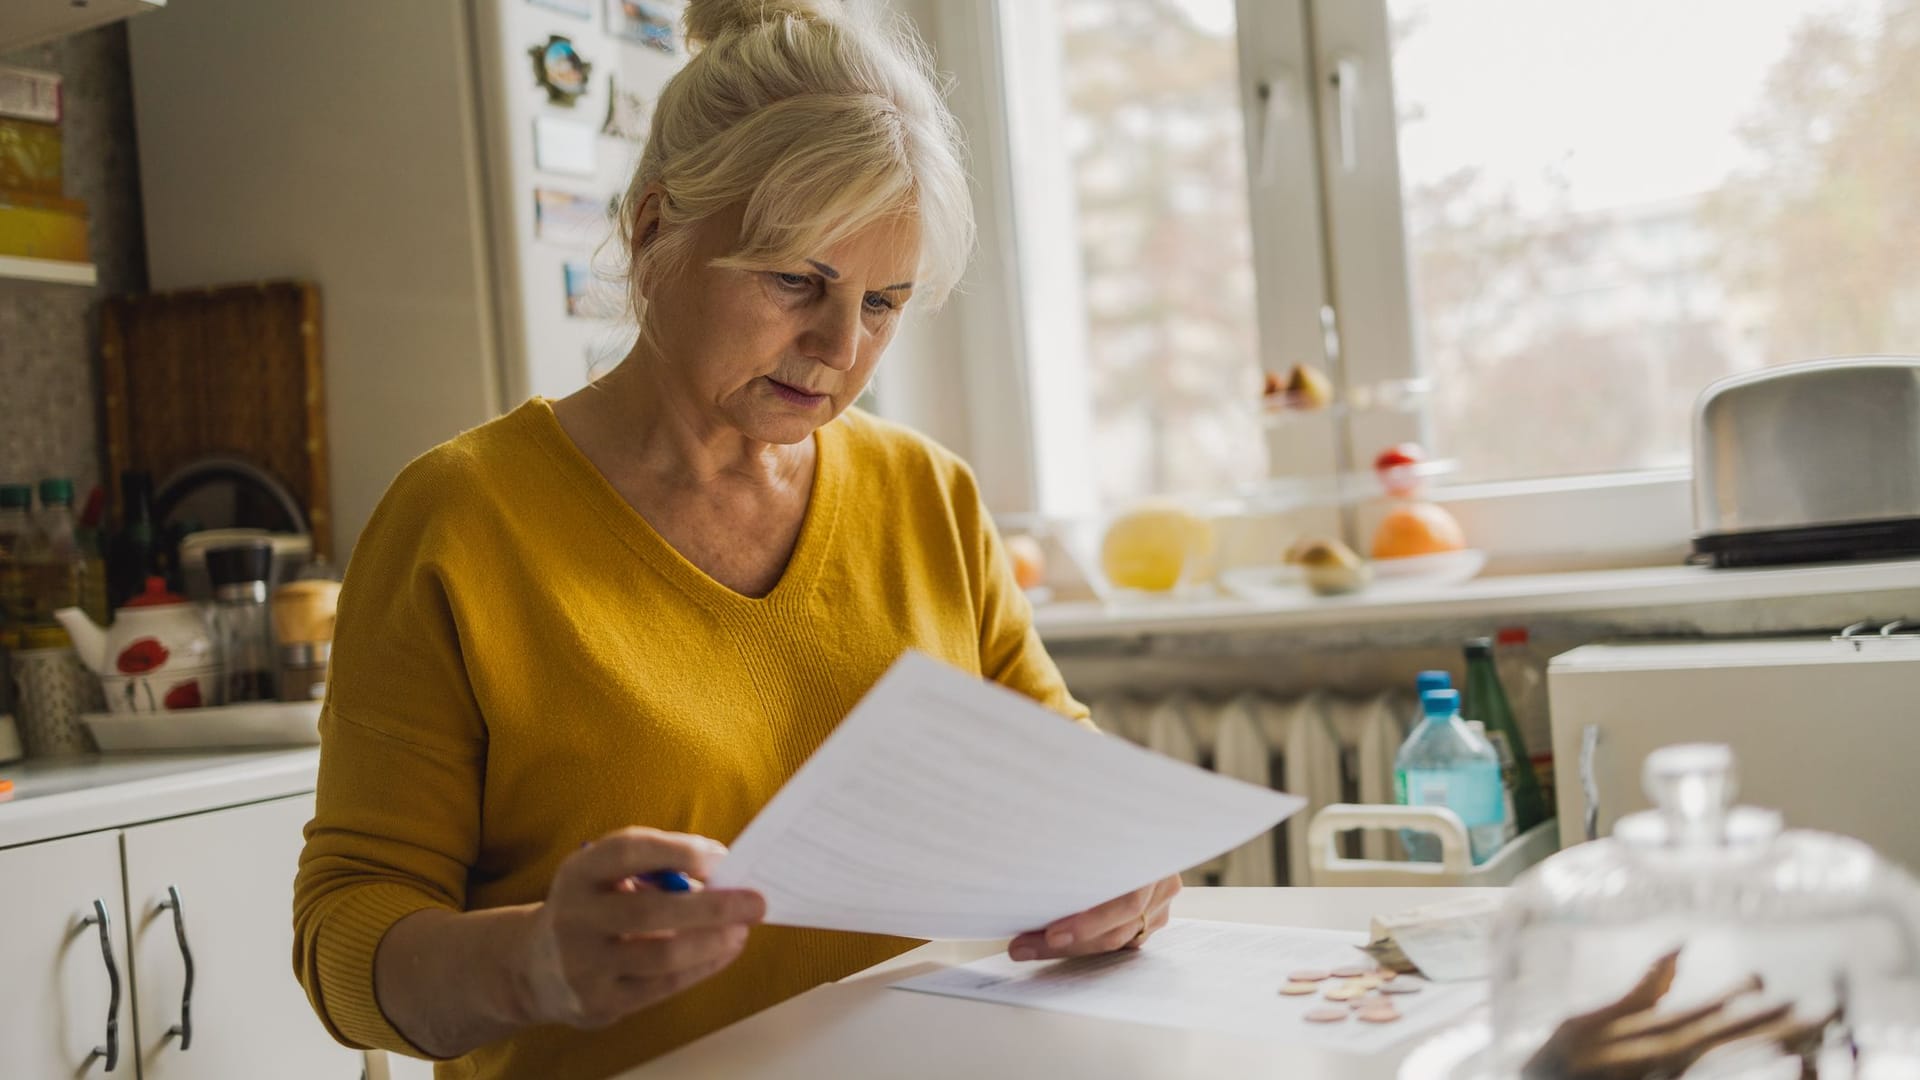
1824, 731
555, 164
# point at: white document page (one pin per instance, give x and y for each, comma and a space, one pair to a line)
947, 807
1212, 976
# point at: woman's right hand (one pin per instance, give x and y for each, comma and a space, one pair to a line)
603, 946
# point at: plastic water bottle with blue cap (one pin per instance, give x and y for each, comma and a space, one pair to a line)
1431, 680
1443, 763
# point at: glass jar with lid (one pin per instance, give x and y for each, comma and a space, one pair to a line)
241, 619
1702, 939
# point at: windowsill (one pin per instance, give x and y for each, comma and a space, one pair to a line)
1529, 594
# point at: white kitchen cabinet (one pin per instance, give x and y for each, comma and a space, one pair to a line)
230, 873
1821, 729
30, 22
222, 831
61, 997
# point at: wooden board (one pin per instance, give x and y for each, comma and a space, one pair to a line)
232, 371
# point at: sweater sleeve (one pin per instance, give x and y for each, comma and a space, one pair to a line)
1010, 649
402, 756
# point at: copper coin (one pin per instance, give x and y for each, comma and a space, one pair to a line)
1326, 1016
1400, 986
1309, 975
1344, 992
1387, 975
1295, 989
1366, 982
1353, 971
1378, 1015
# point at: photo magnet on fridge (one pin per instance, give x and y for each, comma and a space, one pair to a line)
560, 69
563, 146
627, 114
587, 297
646, 22
566, 218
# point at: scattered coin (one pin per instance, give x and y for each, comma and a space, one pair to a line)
1353, 971
1367, 982
1326, 1016
1387, 975
1375, 1015
1400, 986
1344, 992
1295, 989
1310, 975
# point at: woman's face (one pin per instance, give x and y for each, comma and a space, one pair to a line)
776, 353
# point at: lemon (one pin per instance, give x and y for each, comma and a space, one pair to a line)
1150, 547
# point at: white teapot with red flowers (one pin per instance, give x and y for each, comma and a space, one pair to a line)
156, 657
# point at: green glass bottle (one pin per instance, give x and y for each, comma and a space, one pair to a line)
1487, 703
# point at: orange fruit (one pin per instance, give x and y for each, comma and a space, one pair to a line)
1417, 528
1029, 561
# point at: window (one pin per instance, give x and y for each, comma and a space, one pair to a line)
1561, 218
1153, 142
1611, 203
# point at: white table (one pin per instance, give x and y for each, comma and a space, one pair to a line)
859, 1027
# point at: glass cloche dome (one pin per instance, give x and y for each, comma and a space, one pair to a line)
1704, 940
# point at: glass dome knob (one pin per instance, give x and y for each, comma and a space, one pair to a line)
1692, 786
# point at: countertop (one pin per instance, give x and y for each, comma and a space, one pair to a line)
67, 796
861, 1027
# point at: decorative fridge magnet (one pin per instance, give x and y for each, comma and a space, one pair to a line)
563, 146
586, 298
579, 8
566, 218
579, 279
645, 22
627, 114
560, 69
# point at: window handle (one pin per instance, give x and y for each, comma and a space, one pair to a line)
1346, 94
1275, 107
1589, 784
110, 1051
184, 1029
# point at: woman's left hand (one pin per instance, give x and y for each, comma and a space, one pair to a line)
1117, 924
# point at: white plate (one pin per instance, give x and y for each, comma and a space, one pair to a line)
1450, 568
1281, 583
258, 723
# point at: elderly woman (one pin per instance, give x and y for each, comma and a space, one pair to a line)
592, 638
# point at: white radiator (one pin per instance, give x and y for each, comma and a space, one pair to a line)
1324, 748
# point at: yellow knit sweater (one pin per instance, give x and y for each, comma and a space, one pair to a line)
522, 664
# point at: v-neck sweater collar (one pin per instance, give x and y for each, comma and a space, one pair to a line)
810, 551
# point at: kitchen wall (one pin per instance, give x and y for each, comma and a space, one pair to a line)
49, 419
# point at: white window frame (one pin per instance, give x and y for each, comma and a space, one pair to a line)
1625, 518
1326, 234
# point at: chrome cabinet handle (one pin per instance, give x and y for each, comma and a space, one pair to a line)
1589, 785
184, 1029
111, 1051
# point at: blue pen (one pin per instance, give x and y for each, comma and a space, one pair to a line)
667, 880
